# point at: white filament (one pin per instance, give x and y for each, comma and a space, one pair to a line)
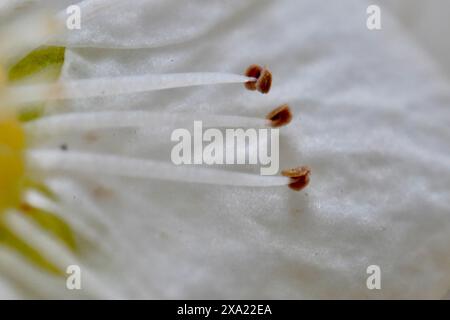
53, 250
102, 87
83, 228
102, 120
25, 275
93, 164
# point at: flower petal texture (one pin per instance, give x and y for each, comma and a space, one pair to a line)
372, 126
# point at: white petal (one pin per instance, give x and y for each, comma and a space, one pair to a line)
369, 102
155, 23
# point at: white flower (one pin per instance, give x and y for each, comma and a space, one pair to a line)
377, 142
32, 197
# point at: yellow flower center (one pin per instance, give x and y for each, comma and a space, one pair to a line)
12, 163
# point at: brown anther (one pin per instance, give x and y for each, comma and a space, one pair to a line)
280, 116
263, 78
299, 177
254, 71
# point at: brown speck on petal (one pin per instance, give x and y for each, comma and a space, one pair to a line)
263, 78
280, 116
101, 192
299, 177
91, 137
25, 207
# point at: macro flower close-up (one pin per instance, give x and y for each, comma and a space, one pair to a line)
123, 174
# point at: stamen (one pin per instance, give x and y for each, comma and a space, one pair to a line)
102, 87
50, 160
130, 119
299, 177
280, 116
263, 78
79, 224
26, 276
53, 251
